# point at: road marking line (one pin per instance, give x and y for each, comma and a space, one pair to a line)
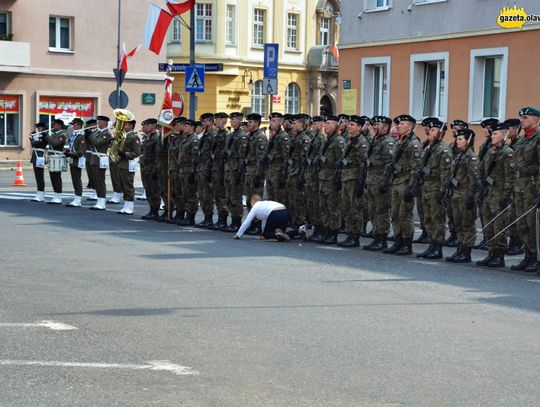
154, 365
52, 325
430, 263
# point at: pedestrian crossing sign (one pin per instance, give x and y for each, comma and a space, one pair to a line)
195, 78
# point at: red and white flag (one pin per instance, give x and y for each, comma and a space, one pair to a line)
335, 52
125, 56
157, 24
177, 8
167, 100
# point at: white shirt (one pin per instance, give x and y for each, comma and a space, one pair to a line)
261, 210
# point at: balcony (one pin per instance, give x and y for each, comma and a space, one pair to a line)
14, 56
321, 57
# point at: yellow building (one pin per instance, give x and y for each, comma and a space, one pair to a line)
233, 33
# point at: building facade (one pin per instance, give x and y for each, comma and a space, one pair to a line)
57, 60
233, 32
444, 58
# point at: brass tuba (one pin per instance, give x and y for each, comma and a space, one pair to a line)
119, 139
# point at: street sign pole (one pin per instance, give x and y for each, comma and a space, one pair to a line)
118, 94
192, 95
270, 83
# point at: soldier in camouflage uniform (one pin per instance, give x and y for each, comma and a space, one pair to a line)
329, 195
526, 187
164, 178
461, 188
252, 156
379, 155
366, 217
188, 152
218, 170
431, 177
56, 140
312, 180
351, 166
175, 141
497, 172
275, 159
149, 168
204, 171
236, 143
406, 161
343, 126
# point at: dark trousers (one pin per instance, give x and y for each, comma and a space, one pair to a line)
90, 173
76, 179
126, 184
99, 180
277, 219
115, 177
56, 181
40, 178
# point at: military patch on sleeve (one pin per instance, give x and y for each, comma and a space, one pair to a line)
416, 146
445, 151
510, 155
340, 142
244, 137
473, 158
286, 138
306, 141
391, 144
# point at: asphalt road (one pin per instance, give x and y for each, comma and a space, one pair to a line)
149, 314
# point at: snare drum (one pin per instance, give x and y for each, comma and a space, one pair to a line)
57, 163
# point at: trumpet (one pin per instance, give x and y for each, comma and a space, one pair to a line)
37, 133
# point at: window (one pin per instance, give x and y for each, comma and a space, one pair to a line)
324, 31
258, 100
60, 33
4, 23
375, 86
258, 27
176, 30
230, 24
487, 84
9, 121
292, 99
429, 78
373, 5
292, 31
203, 22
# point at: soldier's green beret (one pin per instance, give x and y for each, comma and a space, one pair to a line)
529, 111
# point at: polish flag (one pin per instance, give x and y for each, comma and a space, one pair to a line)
167, 100
125, 56
179, 8
335, 52
157, 24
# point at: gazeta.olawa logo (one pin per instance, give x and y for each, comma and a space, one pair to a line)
515, 17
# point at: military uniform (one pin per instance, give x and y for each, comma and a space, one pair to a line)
204, 177
218, 177
77, 149
39, 144
56, 141
298, 152
149, 173
255, 149
274, 162
126, 170
163, 163
179, 203
100, 141
380, 153
312, 184
236, 143
188, 152
88, 156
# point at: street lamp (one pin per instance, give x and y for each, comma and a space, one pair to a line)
251, 84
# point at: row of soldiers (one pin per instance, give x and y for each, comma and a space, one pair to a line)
345, 171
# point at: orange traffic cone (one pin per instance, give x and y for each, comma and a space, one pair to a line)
19, 179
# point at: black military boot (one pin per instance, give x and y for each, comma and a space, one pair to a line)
406, 247
482, 245
532, 267
486, 260
523, 263
207, 221
331, 237
180, 216
395, 247
426, 252
318, 236
423, 238
222, 220
152, 215
351, 241
455, 255
164, 217
464, 255
452, 239
235, 225
498, 259
515, 247
436, 253
379, 244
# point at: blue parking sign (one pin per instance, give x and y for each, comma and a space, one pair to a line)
271, 53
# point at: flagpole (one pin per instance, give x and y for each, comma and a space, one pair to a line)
192, 96
118, 54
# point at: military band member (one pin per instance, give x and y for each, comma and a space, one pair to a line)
149, 167
379, 155
38, 140
313, 214
461, 188
526, 186
497, 172
406, 161
128, 152
89, 128
204, 171
177, 138
351, 165
218, 171
188, 153
115, 181
99, 142
56, 140
275, 159
235, 144
76, 151
431, 178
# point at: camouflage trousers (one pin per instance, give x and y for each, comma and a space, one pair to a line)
351, 209
464, 219
218, 187
402, 212
434, 216
233, 194
329, 205
205, 193
296, 199
379, 209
